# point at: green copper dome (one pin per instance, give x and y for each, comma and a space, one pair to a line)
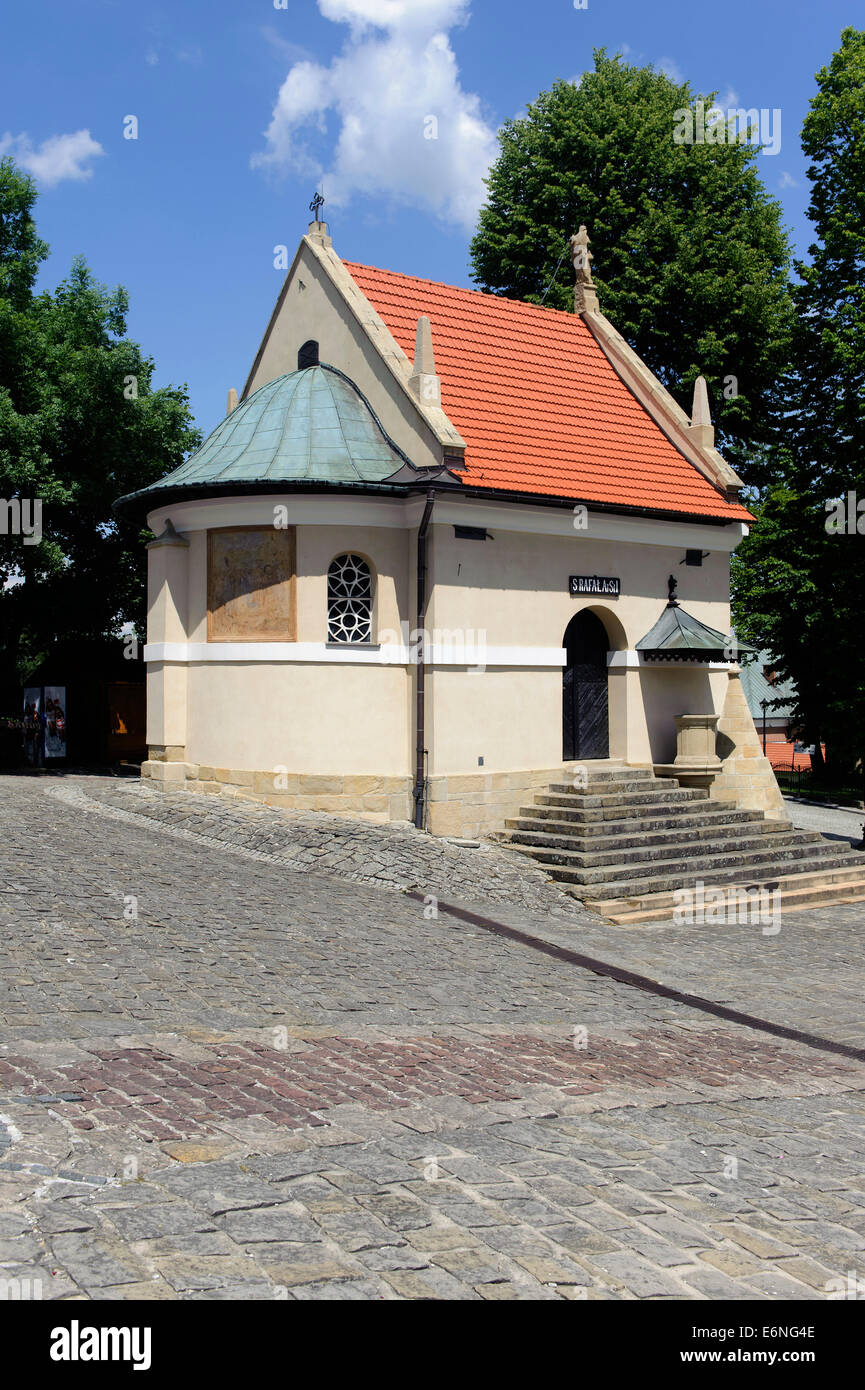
311, 425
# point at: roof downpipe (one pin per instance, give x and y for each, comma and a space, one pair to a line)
420, 730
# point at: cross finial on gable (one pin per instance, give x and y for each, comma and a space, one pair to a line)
317, 230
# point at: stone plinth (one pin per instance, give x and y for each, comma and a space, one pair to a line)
696, 763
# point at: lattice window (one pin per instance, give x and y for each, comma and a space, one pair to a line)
349, 600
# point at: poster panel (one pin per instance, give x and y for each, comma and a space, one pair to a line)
33, 724
55, 721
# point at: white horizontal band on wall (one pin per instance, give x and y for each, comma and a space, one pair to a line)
471, 654
394, 654
389, 654
402, 514
274, 652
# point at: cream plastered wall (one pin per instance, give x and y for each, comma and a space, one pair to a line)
515, 585
509, 592
198, 585
168, 573
167, 707
512, 590
307, 718
512, 718
668, 690
312, 308
383, 547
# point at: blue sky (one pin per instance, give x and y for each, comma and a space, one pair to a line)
242, 108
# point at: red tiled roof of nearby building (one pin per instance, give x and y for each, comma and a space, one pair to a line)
539, 405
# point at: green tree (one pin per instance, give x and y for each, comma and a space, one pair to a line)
799, 579
80, 424
691, 259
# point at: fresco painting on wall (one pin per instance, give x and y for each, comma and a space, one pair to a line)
250, 584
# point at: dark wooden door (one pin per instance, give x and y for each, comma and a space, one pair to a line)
585, 717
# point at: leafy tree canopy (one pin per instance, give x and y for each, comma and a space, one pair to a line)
799, 579
691, 258
80, 424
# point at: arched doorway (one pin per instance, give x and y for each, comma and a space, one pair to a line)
585, 706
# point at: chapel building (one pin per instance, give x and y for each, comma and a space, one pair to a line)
446, 549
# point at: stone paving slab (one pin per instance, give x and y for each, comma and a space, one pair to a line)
221, 1079
448, 1229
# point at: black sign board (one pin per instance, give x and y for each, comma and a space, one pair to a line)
595, 584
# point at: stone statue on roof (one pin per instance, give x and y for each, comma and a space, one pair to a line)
585, 294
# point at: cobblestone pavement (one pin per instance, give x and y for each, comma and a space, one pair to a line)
836, 821
234, 1065
392, 856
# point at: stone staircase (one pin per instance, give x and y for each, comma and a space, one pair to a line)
627, 841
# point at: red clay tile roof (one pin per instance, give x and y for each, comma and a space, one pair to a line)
537, 402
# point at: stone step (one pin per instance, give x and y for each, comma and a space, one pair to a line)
583, 801
605, 849
840, 885
672, 814
595, 868
615, 774
618, 787
627, 841
692, 819
671, 875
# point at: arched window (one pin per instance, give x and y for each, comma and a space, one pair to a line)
307, 356
349, 600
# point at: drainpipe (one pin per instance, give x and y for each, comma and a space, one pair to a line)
419, 627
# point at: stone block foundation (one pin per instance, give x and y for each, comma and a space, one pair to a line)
365, 797
474, 805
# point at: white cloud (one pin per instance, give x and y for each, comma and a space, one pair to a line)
383, 91
787, 181
291, 52
670, 69
57, 158
394, 14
